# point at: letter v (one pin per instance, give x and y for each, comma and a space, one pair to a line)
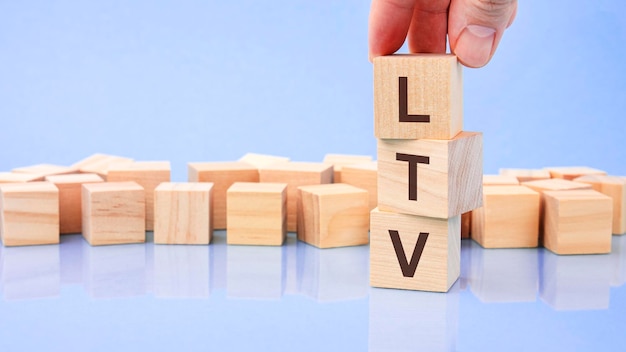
408, 269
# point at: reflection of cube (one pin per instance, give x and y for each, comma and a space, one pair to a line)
256, 213
509, 218
333, 215
70, 199
114, 213
577, 222
182, 213
29, 213
255, 272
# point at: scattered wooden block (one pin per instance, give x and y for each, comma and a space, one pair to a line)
296, 174
509, 218
182, 213
256, 213
333, 215
524, 175
222, 175
14, 177
572, 172
365, 176
414, 252
113, 213
500, 180
577, 222
614, 187
261, 160
148, 174
430, 177
100, 163
43, 170
70, 208
418, 96
466, 224
29, 213
340, 160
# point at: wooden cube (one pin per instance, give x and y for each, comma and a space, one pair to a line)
430, 177
100, 163
500, 180
418, 96
113, 213
614, 187
524, 175
15, 177
29, 213
256, 213
260, 160
340, 160
222, 175
148, 174
296, 174
182, 213
572, 172
70, 208
365, 176
414, 252
333, 215
40, 171
509, 218
577, 222
466, 224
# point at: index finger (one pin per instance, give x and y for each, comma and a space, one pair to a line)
389, 24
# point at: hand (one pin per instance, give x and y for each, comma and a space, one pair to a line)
474, 27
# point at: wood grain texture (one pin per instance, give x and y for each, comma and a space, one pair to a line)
182, 213
509, 218
222, 175
14, 177
43, 170
100, 163
572, 172
434, 85
113, 213
70, 198
333, 215
340, 160
148, 174
439, 265
578, 222
614, 187
261, 160
524, 175
257, 213
365, 176
296, 174
29, 213
449, 185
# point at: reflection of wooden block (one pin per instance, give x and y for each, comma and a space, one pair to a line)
430, 177
182, 213
363, 176
222, 175
614, 187
572, 172
340, 160
524, 175
418, 96
148, 174
500, 180
29, 213
509, 218
100, 163
333, 215
43, 170
114, 213
261, 160
70, 213
14, 177
466, 224
296, 174
577, 222
414, 252
256, 213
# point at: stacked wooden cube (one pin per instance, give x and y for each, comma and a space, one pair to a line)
429, 172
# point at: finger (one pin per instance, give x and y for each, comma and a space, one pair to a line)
389, 23
429, 26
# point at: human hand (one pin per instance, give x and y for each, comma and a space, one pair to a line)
474, 27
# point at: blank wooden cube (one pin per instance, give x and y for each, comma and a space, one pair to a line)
43, 170
524, 175
100, 163
509, 218
577, 222
256, 213
182, 213
430, 177
113, 213
29, 213
260, 160
365, 176
418, 96
148, 174
14, 177
70, 208
572, 172
222, 175
414, 252
340, 160
296, 174
614, 187
333, 215
500, 180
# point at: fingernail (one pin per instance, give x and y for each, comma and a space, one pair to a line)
474, 46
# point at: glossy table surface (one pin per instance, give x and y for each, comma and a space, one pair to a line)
74, 297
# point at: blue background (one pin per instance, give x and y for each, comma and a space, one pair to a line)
204, 80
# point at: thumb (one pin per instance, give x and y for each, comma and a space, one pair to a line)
475, 28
